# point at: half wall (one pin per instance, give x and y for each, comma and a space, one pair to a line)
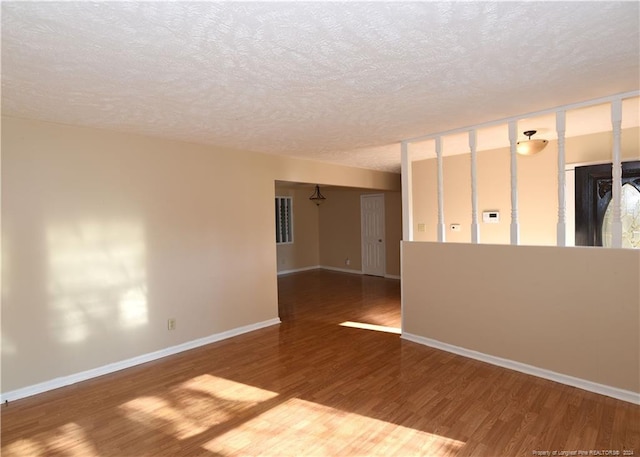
562, 313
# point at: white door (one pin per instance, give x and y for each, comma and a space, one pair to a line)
372, 227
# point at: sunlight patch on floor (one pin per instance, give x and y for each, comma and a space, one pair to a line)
299, 427
226, 389
377, 328
225, 417
195, 406
69, 440
23, 447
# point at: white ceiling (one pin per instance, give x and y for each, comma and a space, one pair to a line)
333, 81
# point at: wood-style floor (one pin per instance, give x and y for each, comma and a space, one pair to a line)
313, 387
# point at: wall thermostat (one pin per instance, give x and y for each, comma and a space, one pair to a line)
491, 217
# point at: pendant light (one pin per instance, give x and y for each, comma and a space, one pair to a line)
530, 147
317, 197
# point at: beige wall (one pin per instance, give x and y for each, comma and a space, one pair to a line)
304, 252
537, 189
106, 235
340, 231
540, 306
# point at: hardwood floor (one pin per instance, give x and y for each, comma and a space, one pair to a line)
313, 387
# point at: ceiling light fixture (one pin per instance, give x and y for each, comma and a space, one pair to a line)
530, 147
317, 197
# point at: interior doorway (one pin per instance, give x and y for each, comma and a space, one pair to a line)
373, 234
328, 238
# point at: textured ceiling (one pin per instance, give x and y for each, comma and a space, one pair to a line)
338, 82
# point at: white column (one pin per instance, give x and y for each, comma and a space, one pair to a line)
515, 226
616, 174
407, 192
441, 230
475, 228
562, 210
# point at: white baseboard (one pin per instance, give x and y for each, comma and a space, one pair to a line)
341, 270
357, 272
297, 270
620, 394
128, 363
325, 267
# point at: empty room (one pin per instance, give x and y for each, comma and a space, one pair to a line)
320, 228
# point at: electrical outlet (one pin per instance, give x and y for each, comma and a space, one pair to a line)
347, 261
171, 324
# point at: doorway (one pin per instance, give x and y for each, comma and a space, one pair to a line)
593, 190
373, 234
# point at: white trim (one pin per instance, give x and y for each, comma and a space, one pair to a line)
570, 205
341, 270
515, 222
297, 270
475, 228
616, 175
407, 192
128, 363
442, 234
402, 284
561, 230
620, 394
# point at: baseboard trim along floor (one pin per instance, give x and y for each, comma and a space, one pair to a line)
128, 363
324, 267
620, 394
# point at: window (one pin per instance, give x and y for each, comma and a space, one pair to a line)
630, 209
594, 193
284, 220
